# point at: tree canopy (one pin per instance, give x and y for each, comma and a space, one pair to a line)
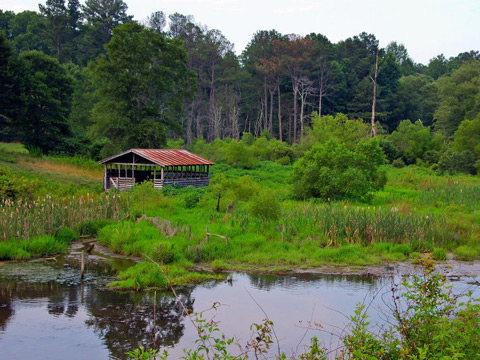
143, 83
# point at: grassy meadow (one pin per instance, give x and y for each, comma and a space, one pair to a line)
417, 211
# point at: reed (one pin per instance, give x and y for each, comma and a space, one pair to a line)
26, 219
334, 225
452, 193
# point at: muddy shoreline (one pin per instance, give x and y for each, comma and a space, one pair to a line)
454, 269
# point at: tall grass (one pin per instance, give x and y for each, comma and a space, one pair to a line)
24, 220
452, 193
334, 225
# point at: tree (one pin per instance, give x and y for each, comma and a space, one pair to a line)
157, 21
26, 31
416, 98
143, 84
438, 66
459, 97
467, 137
400, 54
10, 88
340, 128
47, 97
263, 64
57, 29
102, 17
331, 171
295, 53
414, 140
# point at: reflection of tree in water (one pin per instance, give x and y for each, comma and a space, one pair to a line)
61, 300
6, 309
267, 282
127, 321
64, 302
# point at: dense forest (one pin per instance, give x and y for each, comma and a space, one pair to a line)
89, 80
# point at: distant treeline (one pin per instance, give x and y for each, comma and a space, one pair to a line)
89, 80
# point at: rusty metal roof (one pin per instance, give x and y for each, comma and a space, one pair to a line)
164, 157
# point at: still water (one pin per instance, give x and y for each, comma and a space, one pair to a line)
47, 312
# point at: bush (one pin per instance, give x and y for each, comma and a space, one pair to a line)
458, 162
391, 152
266, 205
192, 195
440, 254
92, 227
239, 155
331, 171
14, 187
466, 253
66, 235
398, 163
414, 140
428, 323
164, 253
402, 248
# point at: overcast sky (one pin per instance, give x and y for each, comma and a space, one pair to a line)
426, 27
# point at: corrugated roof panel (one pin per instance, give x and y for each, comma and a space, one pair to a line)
166, 157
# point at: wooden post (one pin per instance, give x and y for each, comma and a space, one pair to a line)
226, 240
105, 179
283, 234
207, 231
82, 265
133, 169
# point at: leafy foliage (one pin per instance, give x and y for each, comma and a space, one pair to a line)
143, 83
332, 171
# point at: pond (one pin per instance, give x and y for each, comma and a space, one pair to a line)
47, 312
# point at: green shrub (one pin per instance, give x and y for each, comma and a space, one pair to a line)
14, 187
266, 205
428, 323
239, 155
391, 152
466, 253
219, 265
91, 227
458, 162
413, 140
440, 254
284, 161
66, 235
398, 163
334, 172
164, 253
402, 248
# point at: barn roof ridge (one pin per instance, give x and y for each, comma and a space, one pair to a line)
164, 157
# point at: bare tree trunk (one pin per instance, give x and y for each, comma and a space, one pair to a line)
322, 86
279, 112
234, 113
189, 125
270, 120
305, 90
265, 113
217, 121
374, 102
295, 110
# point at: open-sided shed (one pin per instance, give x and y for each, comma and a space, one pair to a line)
161, 166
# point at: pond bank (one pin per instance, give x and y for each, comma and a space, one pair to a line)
454, 269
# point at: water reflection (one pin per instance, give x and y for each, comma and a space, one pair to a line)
109, 322
46, 312
267, 282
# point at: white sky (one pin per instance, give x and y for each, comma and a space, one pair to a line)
426, 27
